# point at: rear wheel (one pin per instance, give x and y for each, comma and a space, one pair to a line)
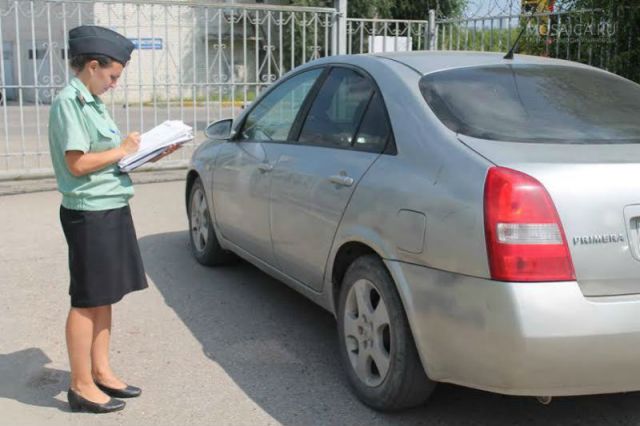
204, 243
376, 344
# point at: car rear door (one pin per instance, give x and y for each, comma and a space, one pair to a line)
345, 130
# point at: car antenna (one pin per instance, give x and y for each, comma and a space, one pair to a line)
515, 44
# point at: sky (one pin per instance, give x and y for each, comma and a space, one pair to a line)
492, 7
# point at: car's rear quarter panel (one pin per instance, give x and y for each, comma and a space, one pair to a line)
433, 176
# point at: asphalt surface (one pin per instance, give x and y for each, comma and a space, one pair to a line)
209, 346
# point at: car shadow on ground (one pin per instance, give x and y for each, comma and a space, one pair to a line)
280, 349
24, 378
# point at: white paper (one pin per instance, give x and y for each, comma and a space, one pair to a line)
154, 141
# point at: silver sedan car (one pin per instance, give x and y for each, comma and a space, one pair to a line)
467, 218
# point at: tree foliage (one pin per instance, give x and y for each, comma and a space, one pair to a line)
603, 33
393, 9
619, 52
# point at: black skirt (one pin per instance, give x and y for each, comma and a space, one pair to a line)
104, 257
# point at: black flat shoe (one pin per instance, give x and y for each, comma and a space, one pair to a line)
128, 392
78, 403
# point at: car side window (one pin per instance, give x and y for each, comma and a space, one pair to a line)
272, 118
336, 112
375, 128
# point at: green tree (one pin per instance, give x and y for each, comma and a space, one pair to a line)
418, 9
617, 47
393, 9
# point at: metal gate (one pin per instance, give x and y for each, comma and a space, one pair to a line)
199, 61
193, 61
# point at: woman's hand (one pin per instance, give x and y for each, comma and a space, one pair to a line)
131, 143
80, 163
170, 150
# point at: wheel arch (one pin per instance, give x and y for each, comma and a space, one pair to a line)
345, 256
191, 178
348, 252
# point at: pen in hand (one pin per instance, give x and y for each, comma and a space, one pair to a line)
130, 144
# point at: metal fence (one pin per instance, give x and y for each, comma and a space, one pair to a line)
193, 61
387, 35
200, 62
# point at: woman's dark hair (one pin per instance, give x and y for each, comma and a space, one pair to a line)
79, 61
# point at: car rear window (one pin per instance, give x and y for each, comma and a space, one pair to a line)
536, 103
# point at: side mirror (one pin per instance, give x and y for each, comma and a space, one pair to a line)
220, 130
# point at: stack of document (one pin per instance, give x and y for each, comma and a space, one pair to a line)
155, 141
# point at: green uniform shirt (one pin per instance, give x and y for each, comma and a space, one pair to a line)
86, 126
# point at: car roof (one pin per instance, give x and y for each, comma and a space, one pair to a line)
425, 62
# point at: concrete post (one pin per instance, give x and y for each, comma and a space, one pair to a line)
432, 30
339, 32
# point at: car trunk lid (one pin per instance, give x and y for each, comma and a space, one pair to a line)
596, 191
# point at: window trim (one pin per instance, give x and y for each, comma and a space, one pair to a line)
364, 113
390, 147
298, 132
316, 86
387, 150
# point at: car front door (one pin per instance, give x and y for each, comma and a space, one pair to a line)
242, 173
313, 179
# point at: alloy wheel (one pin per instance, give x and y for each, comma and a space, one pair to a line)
199, 220
367, 332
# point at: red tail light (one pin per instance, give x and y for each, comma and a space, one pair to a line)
525, 239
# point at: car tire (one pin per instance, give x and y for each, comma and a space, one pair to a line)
204, 242
376, 344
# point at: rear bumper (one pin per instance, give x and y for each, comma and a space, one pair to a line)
542, 339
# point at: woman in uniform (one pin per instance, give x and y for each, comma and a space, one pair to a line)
104, 257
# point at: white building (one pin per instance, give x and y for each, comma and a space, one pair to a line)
183, 51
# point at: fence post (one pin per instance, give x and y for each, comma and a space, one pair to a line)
431, 35
339, 31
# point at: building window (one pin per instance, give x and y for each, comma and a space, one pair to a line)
40, 53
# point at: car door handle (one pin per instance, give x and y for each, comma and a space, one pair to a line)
341, 180
265, 167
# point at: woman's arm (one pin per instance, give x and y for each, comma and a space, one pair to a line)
80, 163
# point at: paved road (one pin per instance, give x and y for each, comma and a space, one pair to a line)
227, 346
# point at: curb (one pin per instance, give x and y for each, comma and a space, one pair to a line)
28, 186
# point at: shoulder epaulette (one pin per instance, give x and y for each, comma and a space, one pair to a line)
81, 99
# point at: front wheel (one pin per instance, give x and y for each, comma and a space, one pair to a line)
204, 243
376, 345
